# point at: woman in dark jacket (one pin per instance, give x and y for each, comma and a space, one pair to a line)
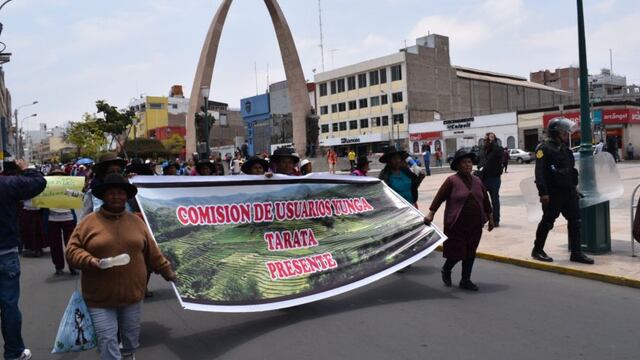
467, 209
398, 176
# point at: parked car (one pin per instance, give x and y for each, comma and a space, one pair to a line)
576, 152
474, 149
520, 156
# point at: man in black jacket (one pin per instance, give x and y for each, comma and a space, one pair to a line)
491, 156
13, 189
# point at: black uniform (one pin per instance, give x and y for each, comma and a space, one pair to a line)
557, 177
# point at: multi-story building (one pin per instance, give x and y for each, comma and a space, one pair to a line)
160, 117
395, 97
567, 79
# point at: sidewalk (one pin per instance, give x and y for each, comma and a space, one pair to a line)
513, 240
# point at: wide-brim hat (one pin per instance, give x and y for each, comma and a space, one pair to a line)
114, 181
106, 160
285, 152
391, 151
459, 155
138, 169
246, 167
362, 161
203, 163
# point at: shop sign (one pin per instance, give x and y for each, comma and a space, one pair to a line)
349, 140
458, 124
432, 135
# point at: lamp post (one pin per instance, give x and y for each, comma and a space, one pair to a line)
204, 92
595, 230
19, 145
15, 116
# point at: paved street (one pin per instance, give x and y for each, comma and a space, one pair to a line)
518, 314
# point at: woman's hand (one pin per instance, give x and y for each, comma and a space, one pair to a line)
429, 218
171, 276
491, 223
268, 174
94, 264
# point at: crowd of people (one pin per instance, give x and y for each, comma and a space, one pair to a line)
78, 241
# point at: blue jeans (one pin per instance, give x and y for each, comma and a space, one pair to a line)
493, 187
11, 317
106, 323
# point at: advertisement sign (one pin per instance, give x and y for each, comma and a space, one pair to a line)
248, 243
62, 192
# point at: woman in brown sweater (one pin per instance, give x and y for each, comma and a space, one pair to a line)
467, 209
114, 295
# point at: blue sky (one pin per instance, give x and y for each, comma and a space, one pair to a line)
69, 53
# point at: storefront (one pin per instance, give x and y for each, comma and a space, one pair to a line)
451, 135
362, 144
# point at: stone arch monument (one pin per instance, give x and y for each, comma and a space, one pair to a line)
298, 94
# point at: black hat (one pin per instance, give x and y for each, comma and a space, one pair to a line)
461, 154
57, 172
168, 165
202, 163
390, 151
106, 160
246, 167
111, 181
285, 152
362, 160
138, 167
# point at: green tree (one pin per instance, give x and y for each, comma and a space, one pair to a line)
115, 122
174, 144
86, 136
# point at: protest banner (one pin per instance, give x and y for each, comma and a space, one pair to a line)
62, 192
248, 243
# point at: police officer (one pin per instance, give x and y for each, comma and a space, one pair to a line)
556, 180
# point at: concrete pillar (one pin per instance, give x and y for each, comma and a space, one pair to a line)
298, 94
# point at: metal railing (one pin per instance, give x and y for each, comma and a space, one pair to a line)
633, 208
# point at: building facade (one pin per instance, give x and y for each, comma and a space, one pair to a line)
160, 117
374, 103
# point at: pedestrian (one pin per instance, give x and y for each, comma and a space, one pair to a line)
438, 157
114, 295
398, 176
32, 234
306, 167
426, 158
505, 159
557, 181
490, 169
60, 225
205, 168
362, 166
255, 166
107, 164
170, 169
25, 184
630, 151
332, 159
352, 159
466, 211
612, 148
245, 149
236, 164
599, 147
284, 160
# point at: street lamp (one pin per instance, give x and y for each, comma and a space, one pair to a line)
19, 145
15, 115
204, 92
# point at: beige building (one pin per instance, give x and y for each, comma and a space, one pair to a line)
373, 103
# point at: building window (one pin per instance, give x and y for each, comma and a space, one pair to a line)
353, 105
155, 106
375, 101
373, 78
351, 83
398, 119
342, 107
396, 73
385, 121
334, 108
384, 99
343, 126
364, 123
340, 85
363, 103
383, 76
396, 97
362, 80
353, 125
334, 126
324, 110
333, 87
323, 89
325, 128
375, 121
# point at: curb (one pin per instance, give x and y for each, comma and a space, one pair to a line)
611, 279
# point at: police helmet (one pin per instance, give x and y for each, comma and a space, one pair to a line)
559, 125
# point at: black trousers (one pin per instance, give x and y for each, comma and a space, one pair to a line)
467, 267
565, 203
